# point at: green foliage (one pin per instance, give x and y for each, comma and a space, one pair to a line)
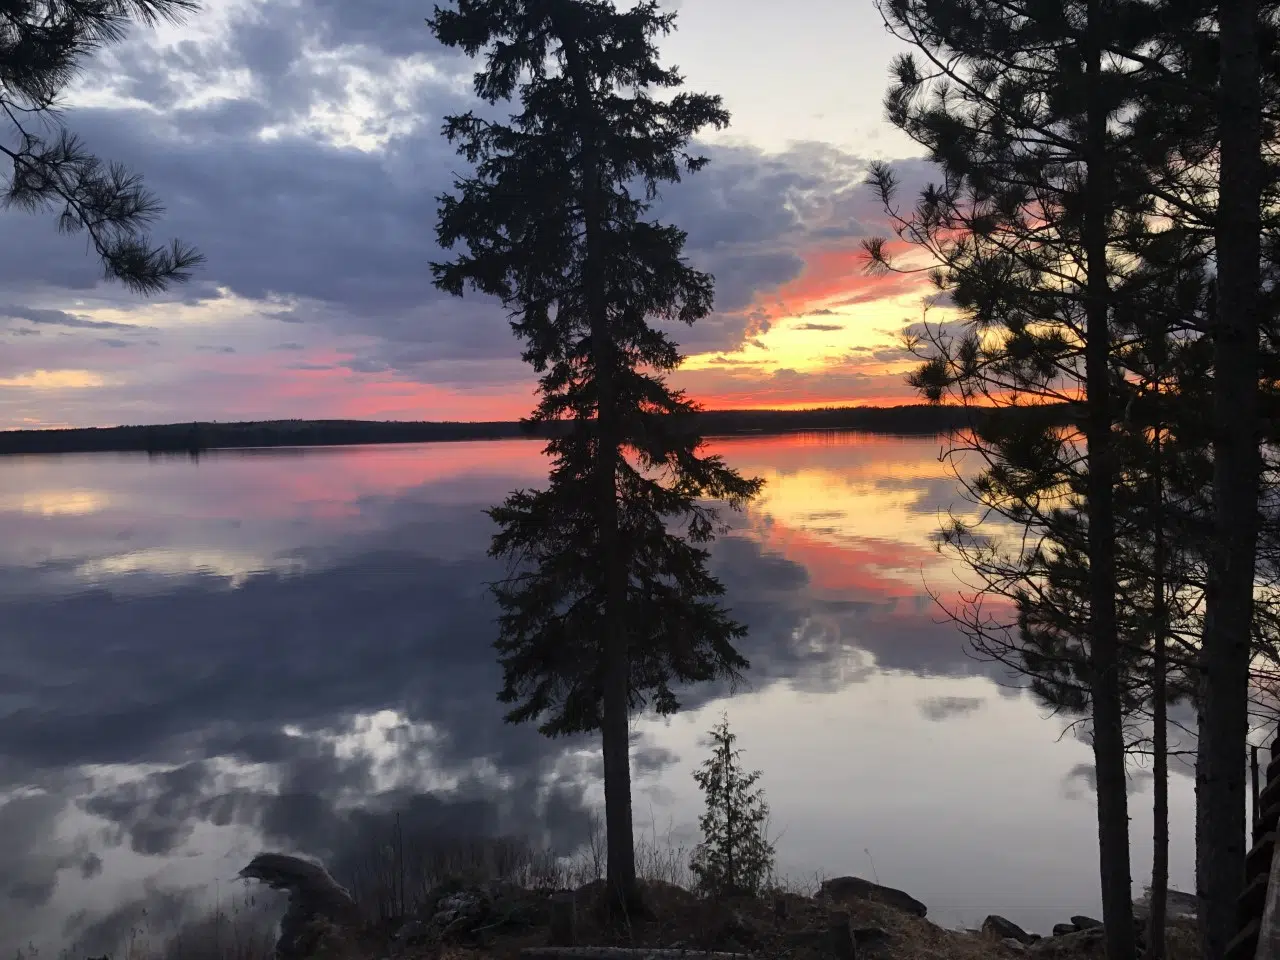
735, 856
592, 133
43, 44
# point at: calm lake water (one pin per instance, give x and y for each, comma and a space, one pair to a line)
201, 659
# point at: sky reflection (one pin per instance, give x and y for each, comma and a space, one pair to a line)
269, 649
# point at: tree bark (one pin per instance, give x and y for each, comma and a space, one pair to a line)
1224, 656
1156, 919
620, 870
1108, 730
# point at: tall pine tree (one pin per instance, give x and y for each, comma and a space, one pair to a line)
1182, 85
1208, 123
1016, 103
609, 605
1237, 434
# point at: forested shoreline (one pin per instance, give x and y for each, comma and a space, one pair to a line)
911, 419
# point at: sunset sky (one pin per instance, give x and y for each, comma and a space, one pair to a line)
296, 143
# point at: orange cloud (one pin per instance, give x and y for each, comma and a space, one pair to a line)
839, 277
316, 385
844, 360
846, 383
851, 358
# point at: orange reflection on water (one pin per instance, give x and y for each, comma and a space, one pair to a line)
851, 569
860, 512
333, 481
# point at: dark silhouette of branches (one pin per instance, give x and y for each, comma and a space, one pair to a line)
43, 46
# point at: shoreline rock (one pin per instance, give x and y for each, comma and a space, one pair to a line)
999, 928
855, 888
880, 922
319, 907
1085, 923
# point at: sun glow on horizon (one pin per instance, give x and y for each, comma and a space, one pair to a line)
55, 380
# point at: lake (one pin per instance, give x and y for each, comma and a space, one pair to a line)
204, 658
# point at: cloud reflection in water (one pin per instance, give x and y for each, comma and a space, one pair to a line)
278, 650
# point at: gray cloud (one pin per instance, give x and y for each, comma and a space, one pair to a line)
344, 235
823, 327
275, 669
945, 708
1085, 774
60, 318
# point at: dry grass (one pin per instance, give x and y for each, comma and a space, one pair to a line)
399, 879
753, 926
220, 936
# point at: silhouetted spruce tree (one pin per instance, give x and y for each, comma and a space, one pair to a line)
608, 607
735, 857
43, 45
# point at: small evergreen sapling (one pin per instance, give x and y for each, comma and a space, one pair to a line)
735, 857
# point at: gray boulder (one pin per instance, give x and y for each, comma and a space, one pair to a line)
1178, 904
459, 913
317, 904
1069, 945
843, 889
1085, 923
998, 928
1062, 929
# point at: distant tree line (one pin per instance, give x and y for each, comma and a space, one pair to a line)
921, 419
197, 437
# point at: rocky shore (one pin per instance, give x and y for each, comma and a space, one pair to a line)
848, 917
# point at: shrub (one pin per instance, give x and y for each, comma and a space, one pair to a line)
735, 856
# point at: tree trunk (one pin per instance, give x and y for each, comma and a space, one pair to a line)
1159, 696
1224, 656
620, 870
1108, 730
